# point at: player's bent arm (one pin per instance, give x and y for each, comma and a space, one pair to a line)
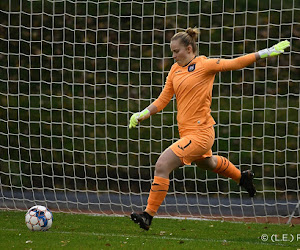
143, 115
161, 102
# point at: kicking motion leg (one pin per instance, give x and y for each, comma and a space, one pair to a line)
224, 167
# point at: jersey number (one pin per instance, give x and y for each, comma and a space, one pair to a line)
182, 148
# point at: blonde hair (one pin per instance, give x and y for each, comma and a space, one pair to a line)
187, 37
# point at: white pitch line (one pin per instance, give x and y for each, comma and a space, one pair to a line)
156, 237
133, 236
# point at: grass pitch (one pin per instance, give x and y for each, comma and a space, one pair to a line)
80, 231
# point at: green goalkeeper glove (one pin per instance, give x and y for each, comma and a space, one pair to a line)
138, 117
275, 50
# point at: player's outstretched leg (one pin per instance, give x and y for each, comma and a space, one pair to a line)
144, 220
247, 182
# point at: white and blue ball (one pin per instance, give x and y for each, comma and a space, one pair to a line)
38, 218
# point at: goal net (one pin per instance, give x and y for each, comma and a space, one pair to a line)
73, 72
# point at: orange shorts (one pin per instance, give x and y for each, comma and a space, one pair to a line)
195, 146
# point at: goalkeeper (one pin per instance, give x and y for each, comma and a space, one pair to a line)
191, 80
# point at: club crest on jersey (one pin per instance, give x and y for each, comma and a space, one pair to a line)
192, 67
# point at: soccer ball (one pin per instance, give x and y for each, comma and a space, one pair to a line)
38, 218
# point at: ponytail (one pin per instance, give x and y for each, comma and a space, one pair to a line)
187, 37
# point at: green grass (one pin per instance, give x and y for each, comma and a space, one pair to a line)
80, 231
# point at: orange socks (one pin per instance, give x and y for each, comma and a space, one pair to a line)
158, 192
160, 185
227, 169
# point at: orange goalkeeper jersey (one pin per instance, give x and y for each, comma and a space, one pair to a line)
192, 85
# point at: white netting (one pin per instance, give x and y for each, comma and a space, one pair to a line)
72, 73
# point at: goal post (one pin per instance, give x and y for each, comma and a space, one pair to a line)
73, 72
